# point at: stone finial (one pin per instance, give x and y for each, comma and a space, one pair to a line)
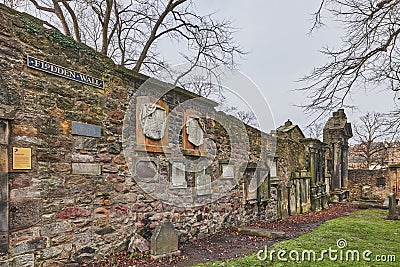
288, 123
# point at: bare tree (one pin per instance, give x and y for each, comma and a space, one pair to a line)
129, 31
372, 140
369, 56
315, 130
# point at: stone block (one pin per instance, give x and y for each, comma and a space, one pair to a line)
29, 246
27, 260
86, 168
25, 213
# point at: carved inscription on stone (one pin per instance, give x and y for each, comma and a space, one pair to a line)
153, 119
228, 171
178, 175
203, 183
195, 130
86, 168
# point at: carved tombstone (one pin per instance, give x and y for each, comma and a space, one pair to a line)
178, 175
195, 130
164, 240
203, 184
153, 120
151, 125
292, 199
393, 215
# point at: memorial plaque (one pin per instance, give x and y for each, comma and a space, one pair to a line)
86, 129
252, 189
165, 239
195, 130
146, 169
203, 183
86, 168
178, 175
22, 158
228, 171
153, 120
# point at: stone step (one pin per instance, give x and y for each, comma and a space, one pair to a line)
274, 234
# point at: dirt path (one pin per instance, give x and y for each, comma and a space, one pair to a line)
230, 244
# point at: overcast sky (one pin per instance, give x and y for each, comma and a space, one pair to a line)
281, 51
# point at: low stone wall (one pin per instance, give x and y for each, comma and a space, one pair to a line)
378, 190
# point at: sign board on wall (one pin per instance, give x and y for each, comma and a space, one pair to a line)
64, 72
22, 158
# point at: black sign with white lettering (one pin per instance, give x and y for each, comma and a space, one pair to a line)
64, 72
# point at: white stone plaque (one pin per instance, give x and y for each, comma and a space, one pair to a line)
153, 119
252, 189
228, 171
178, 177
203, 183
195, 130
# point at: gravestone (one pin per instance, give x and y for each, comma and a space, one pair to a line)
292, 199
164, 241
366, 192
195, 130
178, 179
153, 119
392, 207
203, 183
86, 168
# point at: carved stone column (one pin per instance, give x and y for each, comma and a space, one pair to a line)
345, 162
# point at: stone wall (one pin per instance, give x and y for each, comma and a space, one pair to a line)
369, 184
80, 199
83, 197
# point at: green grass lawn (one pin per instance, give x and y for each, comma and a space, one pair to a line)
363, 230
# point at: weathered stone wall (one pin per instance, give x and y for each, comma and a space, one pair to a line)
82, 198
359, 178
58, 215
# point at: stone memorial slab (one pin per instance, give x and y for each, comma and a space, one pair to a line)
195, 130
178, 175
86, 168
292, 200
164, 240
386, 202
392, 207
228, 171
203, 184
146, 169
153, 120
85, 129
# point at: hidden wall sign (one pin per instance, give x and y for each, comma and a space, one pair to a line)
51, 68
22, 158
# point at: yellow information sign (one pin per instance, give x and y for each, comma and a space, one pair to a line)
22, 158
